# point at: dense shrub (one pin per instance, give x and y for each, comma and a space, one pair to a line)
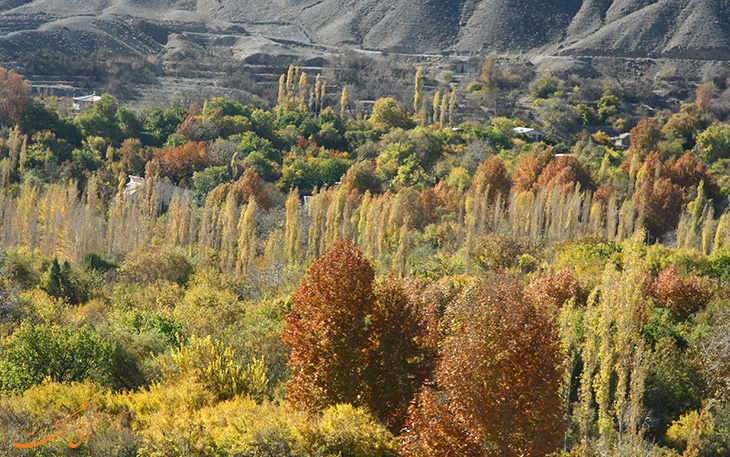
34, 352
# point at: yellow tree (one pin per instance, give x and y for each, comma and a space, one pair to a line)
418, 92
293, 231
247, 238
343, 103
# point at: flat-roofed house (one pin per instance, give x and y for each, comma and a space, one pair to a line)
80, 103
534, 135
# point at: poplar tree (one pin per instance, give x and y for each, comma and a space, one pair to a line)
229, 231
247, 238
317, 92
14, 144
282, 90
293, 228
452, 105
418, 91
23, 154
303, 91
322, 93
442, 118
436, 105
343, 103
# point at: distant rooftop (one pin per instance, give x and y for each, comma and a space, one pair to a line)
523, 130
88, 98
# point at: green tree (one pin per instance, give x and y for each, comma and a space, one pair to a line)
34, 352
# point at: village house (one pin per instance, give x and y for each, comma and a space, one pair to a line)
622, 141
534, 135
80, 103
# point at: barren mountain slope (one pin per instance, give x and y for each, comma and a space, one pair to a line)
672, 28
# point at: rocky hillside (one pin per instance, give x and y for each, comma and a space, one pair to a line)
651, 28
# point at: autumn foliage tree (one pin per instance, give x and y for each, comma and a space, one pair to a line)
530, 168
554, 289
645, 137
563, 173
327, 329
657, 198
493, 173
182, 161
14, 97
682, 295
496, 390
688, 172
400, 360
252, 186
350, 343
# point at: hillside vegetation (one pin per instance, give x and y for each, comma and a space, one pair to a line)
306, 281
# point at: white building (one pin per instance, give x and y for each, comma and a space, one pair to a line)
622, 141
80, 103
534, 135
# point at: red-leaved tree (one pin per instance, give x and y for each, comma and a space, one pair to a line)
496, 390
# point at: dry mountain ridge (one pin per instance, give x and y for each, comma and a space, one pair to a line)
664, 28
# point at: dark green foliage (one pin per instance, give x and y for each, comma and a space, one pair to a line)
95, 262
34, 352
674, 385
100, 120
488, 134
160, 124
311, 173
141, 322
205, 181
63, 281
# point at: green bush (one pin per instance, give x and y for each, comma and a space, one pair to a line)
35, 352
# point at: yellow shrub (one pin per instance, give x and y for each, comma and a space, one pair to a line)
345, 431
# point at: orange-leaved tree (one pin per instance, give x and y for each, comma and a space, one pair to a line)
182, 161
14, 97
531, 166
493, 173
353, 344
554, 289
496, 390
682, 295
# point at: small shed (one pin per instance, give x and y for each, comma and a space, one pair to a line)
80, 103
534, 135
